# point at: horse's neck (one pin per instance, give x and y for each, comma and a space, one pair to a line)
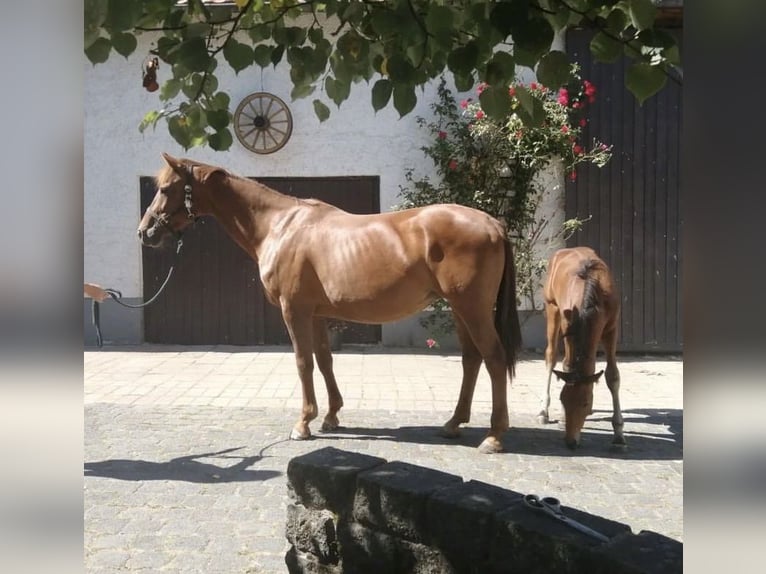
247, 211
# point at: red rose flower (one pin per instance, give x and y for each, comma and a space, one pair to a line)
453, 164
464, 104
577, 149
590, 89
572, 175
583, 122
564, 129
481, 88
563, 97
576, 105
442, 135
479, 114
533, 86
512, 91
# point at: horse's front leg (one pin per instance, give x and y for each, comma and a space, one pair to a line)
323, 357
299, 326
553, 333
613, 382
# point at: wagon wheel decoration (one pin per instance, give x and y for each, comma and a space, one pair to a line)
263, 123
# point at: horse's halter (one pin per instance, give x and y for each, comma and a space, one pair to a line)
164, 219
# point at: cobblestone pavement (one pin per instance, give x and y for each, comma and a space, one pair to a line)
185, 450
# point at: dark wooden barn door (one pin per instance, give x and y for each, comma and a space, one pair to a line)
634, 201
215, 294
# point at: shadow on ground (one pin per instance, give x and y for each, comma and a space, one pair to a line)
651, 434
184, 468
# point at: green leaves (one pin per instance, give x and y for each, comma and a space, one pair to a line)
500, 69
495, 101
381, 94
642, 13
404, 99
124, 44
337, 90
321, 110
531, 40
238, 55
408, 42
605, 49
463, 60
98, 51
221, 140
554, 69
193, 55
644, 80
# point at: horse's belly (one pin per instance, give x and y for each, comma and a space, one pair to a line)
386, 306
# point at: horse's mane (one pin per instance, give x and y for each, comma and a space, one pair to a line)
588, 272
165, 174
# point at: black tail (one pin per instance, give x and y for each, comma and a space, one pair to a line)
506, 311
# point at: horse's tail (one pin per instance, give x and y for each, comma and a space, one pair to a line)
506, 311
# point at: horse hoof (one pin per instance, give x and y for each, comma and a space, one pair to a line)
619, 446
543, 419
329, 426
490, 445
295, 435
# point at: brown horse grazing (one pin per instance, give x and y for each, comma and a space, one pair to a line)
582, 304
317, 261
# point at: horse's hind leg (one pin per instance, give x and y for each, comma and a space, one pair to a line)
609, 340
324, 362
471, 366
299, 326
553, 334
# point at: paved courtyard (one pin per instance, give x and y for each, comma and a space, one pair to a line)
186, 450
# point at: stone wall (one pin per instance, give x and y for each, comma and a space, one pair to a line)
355, 513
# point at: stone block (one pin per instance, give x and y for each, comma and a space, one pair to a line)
647, 552
393, 496
529, 541
313, 532
367, 551
461, 521
301, 563
326, 478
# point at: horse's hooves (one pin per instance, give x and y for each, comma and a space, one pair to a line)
490, 445
295, 435
619, 446
542, 419
329, 427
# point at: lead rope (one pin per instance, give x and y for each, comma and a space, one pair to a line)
116, 295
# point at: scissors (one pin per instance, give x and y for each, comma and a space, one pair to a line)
552, 507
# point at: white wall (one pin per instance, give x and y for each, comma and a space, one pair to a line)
353, 141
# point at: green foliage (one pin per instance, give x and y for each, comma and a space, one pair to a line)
405, 43
494, 164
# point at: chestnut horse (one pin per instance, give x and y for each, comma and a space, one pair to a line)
318, 262
582, 304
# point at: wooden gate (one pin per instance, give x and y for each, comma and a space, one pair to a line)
634, 201
215, 295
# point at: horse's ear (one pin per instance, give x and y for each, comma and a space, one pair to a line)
595, 377
175, 163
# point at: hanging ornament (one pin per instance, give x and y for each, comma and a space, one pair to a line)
150, 74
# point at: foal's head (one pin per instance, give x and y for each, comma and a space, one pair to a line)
177, 202
578, 376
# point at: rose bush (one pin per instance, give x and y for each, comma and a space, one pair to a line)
495, 165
